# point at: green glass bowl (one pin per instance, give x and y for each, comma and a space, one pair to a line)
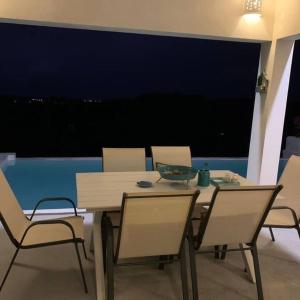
172, 172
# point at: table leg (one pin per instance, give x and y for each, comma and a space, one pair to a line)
98, 257
248, 261
92, 236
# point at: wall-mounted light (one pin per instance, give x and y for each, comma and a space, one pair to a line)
252, 11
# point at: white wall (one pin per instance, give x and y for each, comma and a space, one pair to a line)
208, 18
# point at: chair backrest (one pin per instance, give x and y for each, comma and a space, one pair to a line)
290, 180
171, 155
123, 159
11, 213
236, 214
154, 223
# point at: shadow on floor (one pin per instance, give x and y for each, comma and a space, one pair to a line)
53, 273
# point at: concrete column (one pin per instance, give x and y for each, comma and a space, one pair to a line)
269, 112
257, 133
274, 110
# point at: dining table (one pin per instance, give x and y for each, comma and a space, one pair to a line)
99, 192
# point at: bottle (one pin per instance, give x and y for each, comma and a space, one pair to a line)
204, 176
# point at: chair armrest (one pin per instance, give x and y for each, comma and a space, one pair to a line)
48, 222
281, 207
54, 199
288, 208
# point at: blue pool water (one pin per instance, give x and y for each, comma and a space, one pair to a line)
33, 179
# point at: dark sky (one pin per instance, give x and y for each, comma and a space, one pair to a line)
294, 91
43, 61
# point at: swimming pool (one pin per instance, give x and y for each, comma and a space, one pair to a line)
33, 179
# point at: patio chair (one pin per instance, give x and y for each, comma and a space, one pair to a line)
153, 229
177, 155
285, 212
123, 159
235, 217
171, 155
26, 234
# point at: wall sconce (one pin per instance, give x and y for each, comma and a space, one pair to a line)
252, 10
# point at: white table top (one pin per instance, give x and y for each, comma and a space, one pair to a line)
103, 191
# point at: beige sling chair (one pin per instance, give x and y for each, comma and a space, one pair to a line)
152, 226
285, 212
235, 217
181, 156
26, 234
123, 159
171, 155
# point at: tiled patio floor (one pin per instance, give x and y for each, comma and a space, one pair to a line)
52, 273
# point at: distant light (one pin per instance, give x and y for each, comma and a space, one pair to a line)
252, 12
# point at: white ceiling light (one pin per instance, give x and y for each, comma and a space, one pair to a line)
252, 11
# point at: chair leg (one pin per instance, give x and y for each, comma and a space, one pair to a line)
183, 270
217, 252
92, 241
224, 252
272, 234
259, 288
81, 268
193, 265
9, 268
84, 251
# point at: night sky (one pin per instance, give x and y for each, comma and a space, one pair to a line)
294, 91
202, 81
43, 61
